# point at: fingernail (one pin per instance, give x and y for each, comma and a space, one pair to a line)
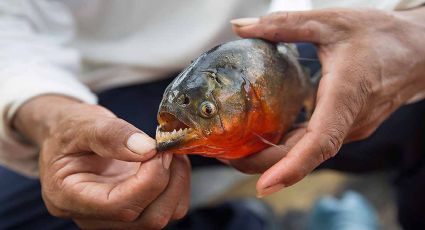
269, 190
244, 21
166, 160
140, 143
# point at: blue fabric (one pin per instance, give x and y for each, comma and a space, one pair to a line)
21, 206
308, 57
351, 212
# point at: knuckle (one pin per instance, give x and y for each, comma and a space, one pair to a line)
331, 143
365, 86
348, 107
293, 18
364, 90
181, 212
106, 130
65, 133
348, 112
127, 215
159, 222
355, 100
57, 212
297, 175
276, 17
339, 18
54, 204
183, 206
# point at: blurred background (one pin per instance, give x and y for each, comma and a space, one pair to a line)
293, 205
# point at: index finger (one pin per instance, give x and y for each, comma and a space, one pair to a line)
316, 26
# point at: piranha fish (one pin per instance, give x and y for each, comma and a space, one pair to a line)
233, 100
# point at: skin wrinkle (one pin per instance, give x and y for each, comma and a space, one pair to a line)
73, 198
368, 72
129, 214
368, 125
90, 187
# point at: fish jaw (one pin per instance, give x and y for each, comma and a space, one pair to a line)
172, 133
168, 140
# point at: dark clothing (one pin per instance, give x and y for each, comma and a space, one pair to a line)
397, 145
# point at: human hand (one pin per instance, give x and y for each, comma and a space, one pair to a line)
91, 170
372, 63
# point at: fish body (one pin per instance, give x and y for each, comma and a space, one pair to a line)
230, 98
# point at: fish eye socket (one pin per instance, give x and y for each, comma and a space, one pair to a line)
208, 109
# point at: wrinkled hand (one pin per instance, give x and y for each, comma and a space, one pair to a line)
372, 63
91, 170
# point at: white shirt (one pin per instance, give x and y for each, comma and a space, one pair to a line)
74, 47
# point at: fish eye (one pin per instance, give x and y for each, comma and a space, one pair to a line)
208, 109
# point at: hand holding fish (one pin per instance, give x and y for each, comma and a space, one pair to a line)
372, 63
100, 170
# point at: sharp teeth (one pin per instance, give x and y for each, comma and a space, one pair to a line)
165, 136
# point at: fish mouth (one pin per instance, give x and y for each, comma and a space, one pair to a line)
171, 131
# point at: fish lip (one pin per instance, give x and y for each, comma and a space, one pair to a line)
176, 133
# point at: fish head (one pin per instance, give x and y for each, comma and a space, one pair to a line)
205, 109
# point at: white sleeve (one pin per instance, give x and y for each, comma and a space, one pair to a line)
34, 60
409, 4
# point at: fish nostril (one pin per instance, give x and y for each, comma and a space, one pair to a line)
186, 100
183, 100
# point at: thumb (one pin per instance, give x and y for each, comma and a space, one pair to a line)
332, 119
303, 26
118, 139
